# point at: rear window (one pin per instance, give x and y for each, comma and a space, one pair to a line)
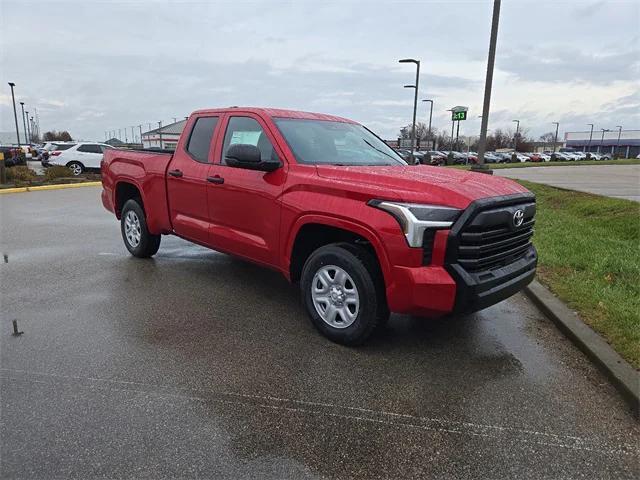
200, 138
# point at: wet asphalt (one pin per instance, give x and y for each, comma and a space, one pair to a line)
198, 365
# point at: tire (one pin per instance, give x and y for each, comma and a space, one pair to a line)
353, 320
76, 168
136, 236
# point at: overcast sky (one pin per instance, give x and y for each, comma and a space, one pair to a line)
95, 66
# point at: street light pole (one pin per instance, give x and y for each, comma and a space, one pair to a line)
24, 123
481, 167
555, 140
430, 115
140, 127
515, 137
590, 137
602, 139
415, 102
160, 132
619, 127
29, 130
15, 114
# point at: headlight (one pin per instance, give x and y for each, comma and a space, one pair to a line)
415, 218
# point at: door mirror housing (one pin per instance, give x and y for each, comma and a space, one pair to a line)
242, 155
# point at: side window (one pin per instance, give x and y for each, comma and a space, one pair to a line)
200, 138
90, 148
247, 131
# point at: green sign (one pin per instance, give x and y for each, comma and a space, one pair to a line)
458, 115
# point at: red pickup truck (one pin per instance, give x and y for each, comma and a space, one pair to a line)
328, 204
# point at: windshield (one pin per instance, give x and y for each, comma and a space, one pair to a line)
323, 142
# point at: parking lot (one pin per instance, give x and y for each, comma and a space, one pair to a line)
619, 181
198, 365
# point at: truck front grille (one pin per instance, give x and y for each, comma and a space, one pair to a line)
489, 239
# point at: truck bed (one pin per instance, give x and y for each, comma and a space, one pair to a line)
145, 170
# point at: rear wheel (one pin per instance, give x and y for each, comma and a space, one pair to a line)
135, 234
343, 292
76, 168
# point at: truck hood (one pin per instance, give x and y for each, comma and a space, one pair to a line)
421, 183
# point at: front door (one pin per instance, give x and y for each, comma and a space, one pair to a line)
187, 180
243, 205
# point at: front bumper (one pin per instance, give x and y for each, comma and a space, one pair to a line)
476, 291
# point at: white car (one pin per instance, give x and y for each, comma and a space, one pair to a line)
545, 157
81, 157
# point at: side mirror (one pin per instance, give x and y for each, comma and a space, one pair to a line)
242, 155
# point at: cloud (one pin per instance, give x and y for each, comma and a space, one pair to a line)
158, 60
568, 64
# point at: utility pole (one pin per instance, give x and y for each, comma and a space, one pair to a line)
160, 132
481, 166
140, 127
15, 114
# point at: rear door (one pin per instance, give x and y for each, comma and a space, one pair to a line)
89, 154
244, 204
187, 179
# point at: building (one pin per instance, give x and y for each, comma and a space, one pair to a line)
114, 142
625, 143
164, 137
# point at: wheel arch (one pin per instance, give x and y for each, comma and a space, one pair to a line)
126, 190
313, 231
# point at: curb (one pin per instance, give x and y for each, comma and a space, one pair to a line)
619, 372
49, 187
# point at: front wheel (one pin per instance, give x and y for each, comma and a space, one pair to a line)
343, 292
76, 168
135, 234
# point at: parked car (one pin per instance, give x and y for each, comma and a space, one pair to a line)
472, 157
562, 157
504, 157
491, 157
50, 148
437, 158
328, 204
80, 157
12, 156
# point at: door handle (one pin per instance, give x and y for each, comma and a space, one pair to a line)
175, 173
215, 179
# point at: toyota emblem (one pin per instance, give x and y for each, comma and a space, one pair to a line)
518, 218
